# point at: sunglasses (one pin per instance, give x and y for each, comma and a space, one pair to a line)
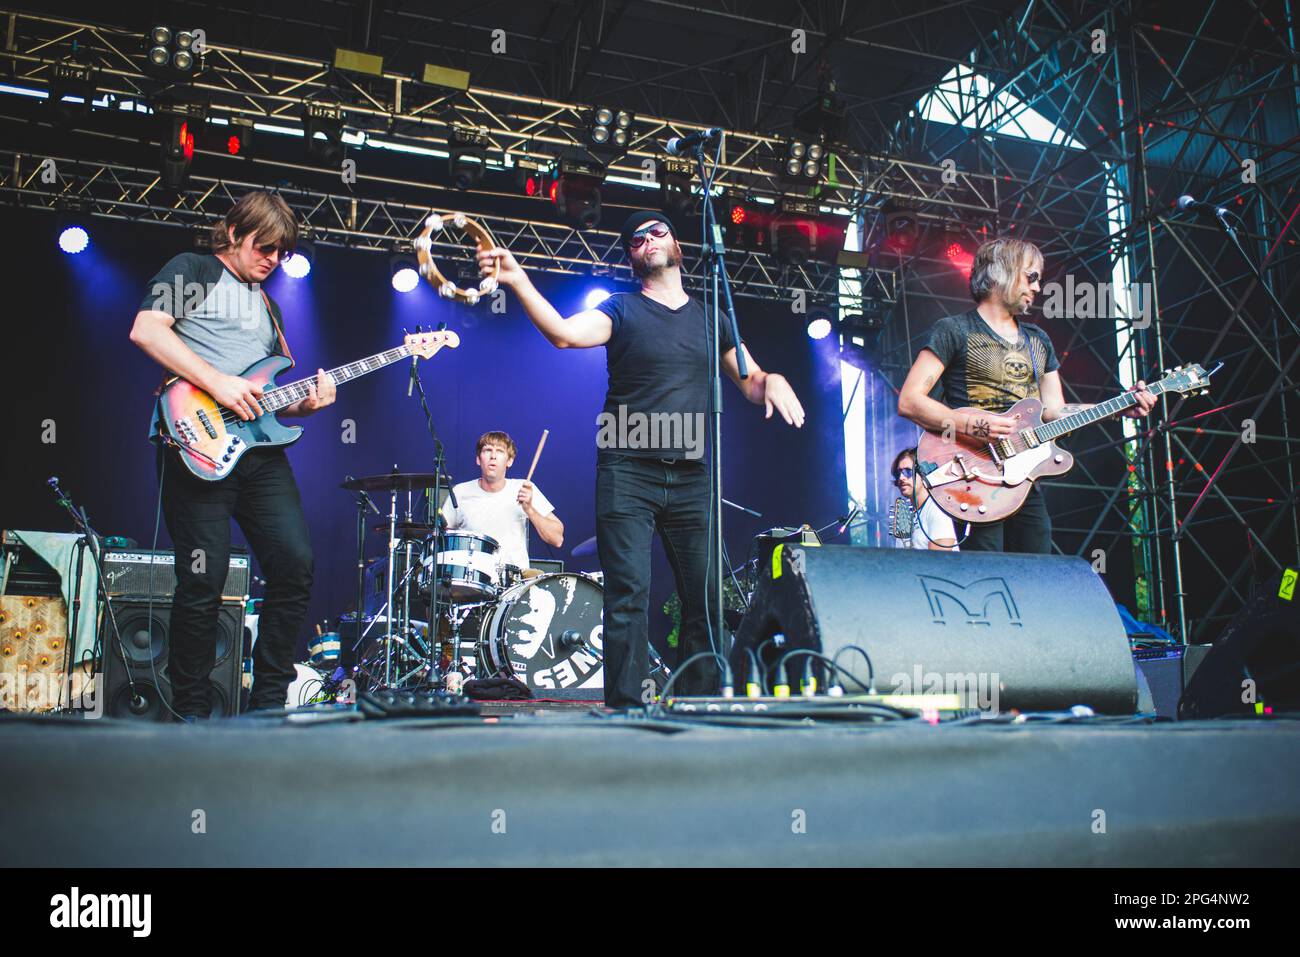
658, 231
905, 474
1033, 277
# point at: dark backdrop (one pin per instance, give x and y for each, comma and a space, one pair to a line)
69, 360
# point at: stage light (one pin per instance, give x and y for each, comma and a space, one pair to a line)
467, 156
71, 79
576, 192
530, 179
595, 298
171, 54
794, 230
404, 272
180, 122
298, 265
675, 196
239, 141
956, 252
325, 119
819, 327
900, 226
803, 162
73, 239
608, 130
746, 224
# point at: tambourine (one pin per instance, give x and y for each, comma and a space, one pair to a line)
435, 223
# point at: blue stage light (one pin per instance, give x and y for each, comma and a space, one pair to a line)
595, 298
73, 240
297, 266
405, 279
819, 328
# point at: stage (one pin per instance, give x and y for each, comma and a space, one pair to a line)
566, 788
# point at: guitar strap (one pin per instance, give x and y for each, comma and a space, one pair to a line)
1033, 364
275, 323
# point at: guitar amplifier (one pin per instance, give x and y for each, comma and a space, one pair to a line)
127, 575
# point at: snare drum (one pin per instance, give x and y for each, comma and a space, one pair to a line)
548, 631
465, 567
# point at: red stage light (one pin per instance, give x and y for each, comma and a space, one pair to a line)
186, 142
955, 250
555, 186
531, 186
233, 145
737, 214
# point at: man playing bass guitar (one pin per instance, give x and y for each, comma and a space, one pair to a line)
206, 319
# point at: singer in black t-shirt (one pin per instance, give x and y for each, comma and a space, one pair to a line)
651, 471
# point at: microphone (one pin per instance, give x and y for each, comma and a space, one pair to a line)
686, 145
571, 638
1187, 202
848, 521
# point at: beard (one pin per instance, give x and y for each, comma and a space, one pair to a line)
672, 258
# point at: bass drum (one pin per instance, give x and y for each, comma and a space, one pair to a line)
549, 632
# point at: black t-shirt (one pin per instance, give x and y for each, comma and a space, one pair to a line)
983, 370
658, 363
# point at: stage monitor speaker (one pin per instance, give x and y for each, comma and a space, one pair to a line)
1004, 631
1256, 660
147, 693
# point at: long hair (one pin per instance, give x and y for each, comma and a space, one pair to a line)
996, 264
265, 215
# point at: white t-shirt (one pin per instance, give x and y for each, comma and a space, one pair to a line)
496, 514
933, 522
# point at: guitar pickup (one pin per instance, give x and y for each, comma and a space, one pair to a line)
206, 423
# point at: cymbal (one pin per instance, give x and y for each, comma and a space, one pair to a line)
413, 530
583, 549
394, 481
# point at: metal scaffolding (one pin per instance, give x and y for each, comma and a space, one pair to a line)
1164, 97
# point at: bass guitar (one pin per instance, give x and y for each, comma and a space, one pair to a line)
212, 438
978, 481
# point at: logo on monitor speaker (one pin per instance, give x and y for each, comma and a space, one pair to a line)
973, 603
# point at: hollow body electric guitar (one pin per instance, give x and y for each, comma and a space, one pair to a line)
978, 481
211, 438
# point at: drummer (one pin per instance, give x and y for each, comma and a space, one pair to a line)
500, 507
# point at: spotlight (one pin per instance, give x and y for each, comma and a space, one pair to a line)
180, 123
747, 224
404, 270
900, 226
323, 128
171, 54
239, 140
674, 175
609, 131
531, 179
74, 80
819, 327
957, 254
467, 156
859, 332
803, 162
794, 231
298, 265
73, 239
595, 298
576, 192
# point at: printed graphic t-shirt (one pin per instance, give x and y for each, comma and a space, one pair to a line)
983, 370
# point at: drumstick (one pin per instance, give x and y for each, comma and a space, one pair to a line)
538, 454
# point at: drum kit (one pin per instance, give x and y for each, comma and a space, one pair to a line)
490, 618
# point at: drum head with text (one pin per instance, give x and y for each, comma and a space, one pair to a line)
549, 630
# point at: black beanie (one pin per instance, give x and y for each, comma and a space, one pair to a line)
639, 219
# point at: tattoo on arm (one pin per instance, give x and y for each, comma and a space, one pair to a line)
1072, 407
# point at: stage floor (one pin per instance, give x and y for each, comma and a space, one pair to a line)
566, 786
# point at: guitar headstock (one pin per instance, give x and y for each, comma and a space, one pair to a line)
425, 344
1190, 379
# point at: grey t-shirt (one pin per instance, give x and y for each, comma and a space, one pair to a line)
223, 320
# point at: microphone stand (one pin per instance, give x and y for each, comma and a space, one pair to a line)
717, 287
89, 539
363, 501
439, 463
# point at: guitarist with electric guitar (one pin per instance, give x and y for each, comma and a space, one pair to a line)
988, 444
208, 322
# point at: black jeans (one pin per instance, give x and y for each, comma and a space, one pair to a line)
634, 497
262, 496
1029, 530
